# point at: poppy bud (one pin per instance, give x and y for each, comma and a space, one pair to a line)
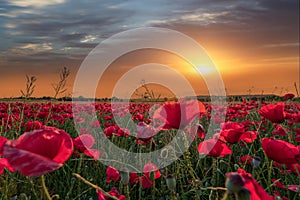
256, 161
171, 182
152, 175
236, 166
206, 184
124, 176
278, 198
234, 182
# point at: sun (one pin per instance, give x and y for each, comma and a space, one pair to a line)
205, 70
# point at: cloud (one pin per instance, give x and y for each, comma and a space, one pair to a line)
206, 18
28, 50
34, 3
78, 26
17, 13
10, 25
276, 45
88, 39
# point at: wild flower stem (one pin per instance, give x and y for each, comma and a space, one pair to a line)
94, 186
127, 192
45, 190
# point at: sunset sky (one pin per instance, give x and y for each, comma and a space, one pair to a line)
254, 43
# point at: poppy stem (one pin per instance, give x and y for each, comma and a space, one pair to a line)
94, 186
127, 192
173, 195
45, 190
214, 188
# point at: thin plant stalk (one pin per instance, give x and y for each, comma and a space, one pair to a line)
94, 186
44, 187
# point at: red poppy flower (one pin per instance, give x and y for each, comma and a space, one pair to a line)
287, 168
109, 131
83, 131
179, 114
256, 191
43, 115
294, 188
249, 136
277, 183
150, 169
133, 178
112, 174
122, 132
94, 153
5, 164
234, 132
84, 143
117, 131
297, 137
279, 130
39, 152
114, 192
214, 147
144, 133
273, 112
146, 182
151, 173
289, 154
288, 96
195, 131
33, 125
2, 142
246, 159
277, 194
295, 168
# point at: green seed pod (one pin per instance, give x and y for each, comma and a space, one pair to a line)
152, 175
207, 184
124, 176
278, 198
256, 161
171, 182
236, 166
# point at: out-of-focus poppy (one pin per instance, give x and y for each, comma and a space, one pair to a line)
151, 172
38, 152
256, 191
288, 96
214, 147
113, 192
281, 151
273, 112
112, 174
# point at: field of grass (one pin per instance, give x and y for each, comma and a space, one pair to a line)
260, 170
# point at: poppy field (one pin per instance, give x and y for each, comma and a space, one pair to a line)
254, 154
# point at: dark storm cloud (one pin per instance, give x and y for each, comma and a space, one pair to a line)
81, 45
72, 37
56, 25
